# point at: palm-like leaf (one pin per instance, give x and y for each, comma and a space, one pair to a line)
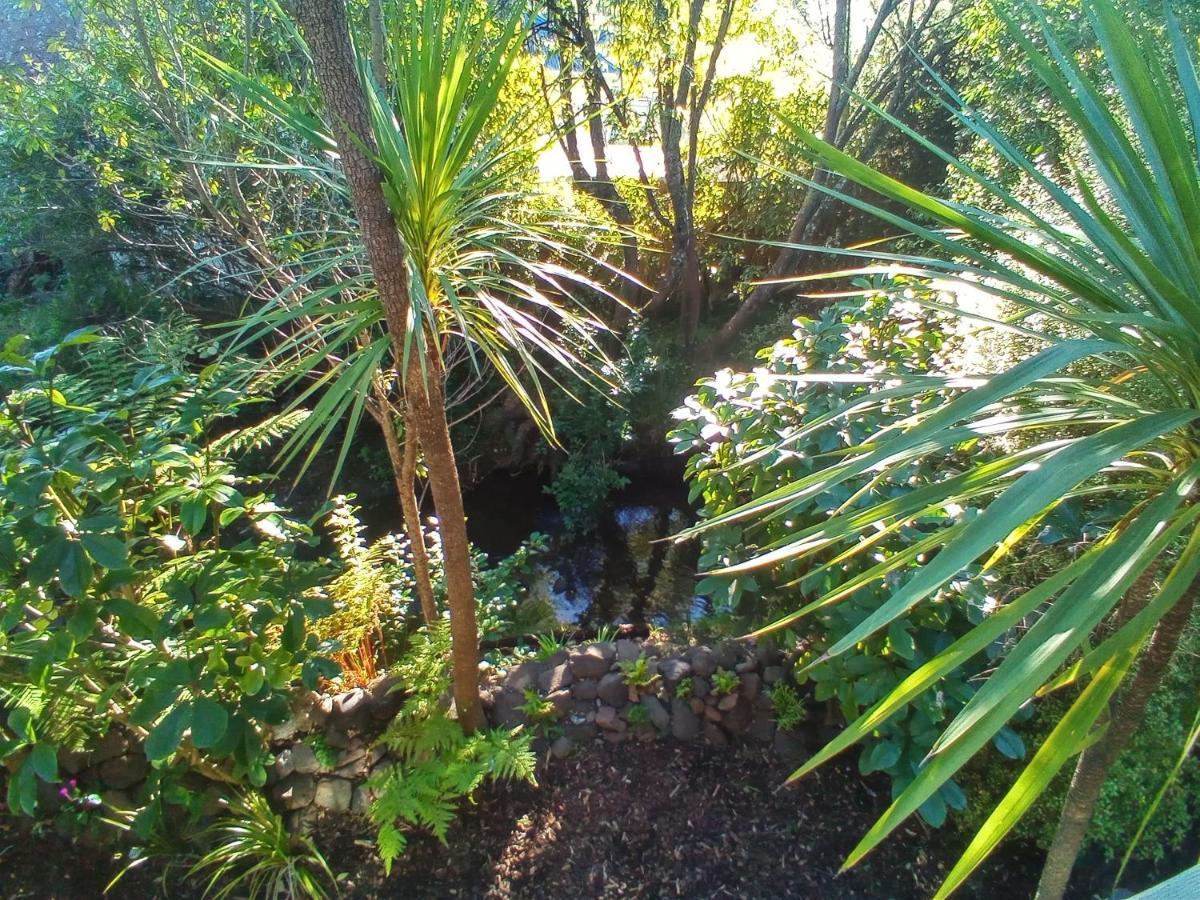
1106, 270
507, 290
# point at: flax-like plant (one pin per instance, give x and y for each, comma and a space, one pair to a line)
483, 274
254, 855
1104, 276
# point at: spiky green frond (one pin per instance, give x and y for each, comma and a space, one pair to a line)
1105, 274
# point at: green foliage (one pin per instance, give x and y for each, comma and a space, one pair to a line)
1110, 256
650, 375
97, 201
503, 607
1133, 781
551, 644
725, 682
254, 855
326, 756
374, 596
537, 708
581, 488
141, 585
683, 690
438, 764
492, 283
738, 196
640, 673
732, 428
789, 709
638, 715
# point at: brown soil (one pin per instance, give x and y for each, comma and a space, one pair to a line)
637, 820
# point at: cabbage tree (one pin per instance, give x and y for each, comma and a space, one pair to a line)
1102, 275
445, 265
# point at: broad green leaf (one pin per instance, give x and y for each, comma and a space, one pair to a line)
167, 735
192, 514
209, 722
107, 550
44, 760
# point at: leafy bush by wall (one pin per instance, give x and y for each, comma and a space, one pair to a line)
144, 584
730, 428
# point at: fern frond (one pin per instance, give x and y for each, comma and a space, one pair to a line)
259, 435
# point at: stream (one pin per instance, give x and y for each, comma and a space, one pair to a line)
622, 572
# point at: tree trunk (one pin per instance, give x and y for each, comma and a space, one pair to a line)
378, 43
428, 413
683, 270
839, 129
601, 185
1094, 763
404, 471
323, 23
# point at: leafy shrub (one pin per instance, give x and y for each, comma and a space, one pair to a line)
550, 645
731, 428
537, 708
374, 594
596, 429
725, 682
141, 586
439, 764
581, 488
501, 594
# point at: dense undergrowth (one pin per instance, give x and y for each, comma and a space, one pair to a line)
193, 320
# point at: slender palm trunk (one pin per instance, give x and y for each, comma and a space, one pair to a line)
323, 23
1095, 762
404, 471
428, 413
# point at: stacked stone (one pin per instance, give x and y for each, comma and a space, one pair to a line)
593, 701
591, 697
347, 723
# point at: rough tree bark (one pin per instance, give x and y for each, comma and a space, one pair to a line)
1094, 763
404, 473
324, 25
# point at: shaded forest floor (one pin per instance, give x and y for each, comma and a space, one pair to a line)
635, 820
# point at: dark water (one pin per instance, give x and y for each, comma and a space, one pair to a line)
624, 571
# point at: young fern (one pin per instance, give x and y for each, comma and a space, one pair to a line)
437, 763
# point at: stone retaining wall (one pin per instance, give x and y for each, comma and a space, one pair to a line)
326, 752
593, 698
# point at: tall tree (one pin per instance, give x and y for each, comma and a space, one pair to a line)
883, 70
682, 100
456, 274
568, 23
325, 29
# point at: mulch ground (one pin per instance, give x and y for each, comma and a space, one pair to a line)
635, 820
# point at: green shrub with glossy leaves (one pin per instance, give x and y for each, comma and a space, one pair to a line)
144, 583
731, 429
